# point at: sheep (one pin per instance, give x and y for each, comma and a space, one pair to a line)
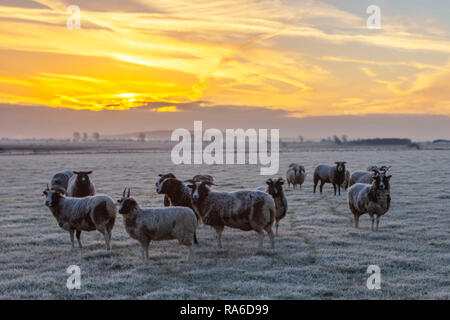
82, 214
167, 223
347, 180
374, 199
362, 176
275, 189
163, 177
177, 193
246, 210
80, 185
331, 174
295, 174
199, 177
60, 181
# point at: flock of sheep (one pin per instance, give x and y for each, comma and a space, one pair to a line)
72, 200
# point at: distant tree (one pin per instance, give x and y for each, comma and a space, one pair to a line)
141, 137
96, 136
337, 140
85, 136
344, 138
301, 139
76, 136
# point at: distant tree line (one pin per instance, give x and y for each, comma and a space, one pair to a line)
380, 141
77, 137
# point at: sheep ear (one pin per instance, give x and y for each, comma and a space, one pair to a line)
119, 201
160, 175
76, 172
45, 193
389, 177
269, 181
89, 172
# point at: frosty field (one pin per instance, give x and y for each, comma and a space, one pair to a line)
318, 254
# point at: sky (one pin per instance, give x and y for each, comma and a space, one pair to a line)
291, 64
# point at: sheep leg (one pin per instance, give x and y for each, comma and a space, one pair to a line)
195, 238
271, 236
276, 228
191, 254
260, 240
356, 220
106, 236
339, 189
378, 222
372, 218
71, 237
321, 186
334, 187
145, 251
78, 233
219, 237
108, 231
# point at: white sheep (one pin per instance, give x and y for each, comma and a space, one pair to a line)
82, 214
295, 175
246, 210
275, 189
168, 223
374, 199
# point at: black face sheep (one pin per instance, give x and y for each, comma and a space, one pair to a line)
60, 181
168, 223
295, 175
177, 193
245, 210
330, 174
374, 199
82, 214
275, 189
80, 185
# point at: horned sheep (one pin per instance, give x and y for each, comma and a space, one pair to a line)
245, 210
362, 176
374, 199
82, 214
168, 223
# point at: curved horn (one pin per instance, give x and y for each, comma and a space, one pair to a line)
129, 190
123, 194
48, 187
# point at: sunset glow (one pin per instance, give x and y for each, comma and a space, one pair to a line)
305, 57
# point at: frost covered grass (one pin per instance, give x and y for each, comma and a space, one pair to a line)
318, 254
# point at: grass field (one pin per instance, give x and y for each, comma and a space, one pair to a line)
318, 254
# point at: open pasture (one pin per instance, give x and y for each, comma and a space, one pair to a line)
318, 254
